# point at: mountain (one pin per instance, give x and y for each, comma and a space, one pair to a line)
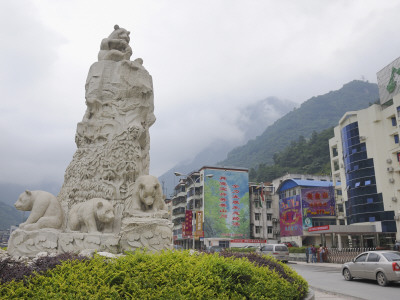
10, 216
253, 120
315, 114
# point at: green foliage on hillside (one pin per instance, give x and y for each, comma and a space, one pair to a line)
167, 275
300, 157
315, 114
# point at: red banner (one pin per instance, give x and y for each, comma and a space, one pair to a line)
249, 241
318, 228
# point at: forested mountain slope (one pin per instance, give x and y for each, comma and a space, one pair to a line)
316, 114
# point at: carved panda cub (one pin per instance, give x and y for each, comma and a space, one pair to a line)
93, 213
46, 211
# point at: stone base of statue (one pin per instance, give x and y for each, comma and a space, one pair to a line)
146, 230
149, 231
30, 243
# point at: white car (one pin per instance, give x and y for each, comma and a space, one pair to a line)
278, 251
382, 266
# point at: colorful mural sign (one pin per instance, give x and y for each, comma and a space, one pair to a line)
226, 204
318, 202
291, 221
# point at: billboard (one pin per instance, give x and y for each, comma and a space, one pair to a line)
318, 202
389, 81
226, 204
291, 221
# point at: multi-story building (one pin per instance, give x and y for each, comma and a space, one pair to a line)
210, 207
304, 202
264, 216
365, 156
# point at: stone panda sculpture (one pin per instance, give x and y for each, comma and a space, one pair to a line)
93, 213
147, 196
46, 211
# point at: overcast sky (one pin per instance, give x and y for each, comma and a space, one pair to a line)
208, 59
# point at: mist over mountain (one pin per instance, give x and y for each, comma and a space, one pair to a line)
252, 121
315, 114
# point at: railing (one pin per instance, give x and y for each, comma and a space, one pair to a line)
340, 256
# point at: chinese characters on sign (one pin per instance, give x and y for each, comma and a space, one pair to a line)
291, 221
318, 202
226, 204
223, 190
187, 227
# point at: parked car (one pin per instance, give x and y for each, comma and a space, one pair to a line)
278, 251
290, 244
213, 249
382, 266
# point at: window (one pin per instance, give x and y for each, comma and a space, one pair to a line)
394, 122
257, 203
341, 222
357, 184
258, 229
340, 207
372, 219
362, 257
398, 111
224, 244
370, 200
269, 229
373, 257
396, 138
269, 204
269, 217
257, 216
367, 182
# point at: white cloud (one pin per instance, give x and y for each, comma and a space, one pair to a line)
207, 59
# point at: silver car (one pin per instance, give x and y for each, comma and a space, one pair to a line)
278, 251
382, 266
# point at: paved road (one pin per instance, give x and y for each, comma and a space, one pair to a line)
327, 281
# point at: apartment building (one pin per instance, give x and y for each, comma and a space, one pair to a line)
365, 156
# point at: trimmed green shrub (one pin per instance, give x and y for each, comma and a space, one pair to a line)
297, 249
166, 275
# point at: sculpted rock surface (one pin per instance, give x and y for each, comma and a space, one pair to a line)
113, 138
45, 210
93, 214
108, 200
147, 196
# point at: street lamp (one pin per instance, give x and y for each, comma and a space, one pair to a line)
194, 188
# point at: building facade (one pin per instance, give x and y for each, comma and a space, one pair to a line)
365, 156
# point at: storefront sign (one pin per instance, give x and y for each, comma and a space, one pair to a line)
318, 228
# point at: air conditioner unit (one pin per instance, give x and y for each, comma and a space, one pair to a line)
362, 138
391, 180
394, 199
390, 169
274, 220
389, 161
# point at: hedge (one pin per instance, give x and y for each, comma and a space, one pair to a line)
165, 275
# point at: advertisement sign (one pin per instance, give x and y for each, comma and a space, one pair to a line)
226, 204
199, 224
318, 228
187, 228
248, 241
291, 221
318, 202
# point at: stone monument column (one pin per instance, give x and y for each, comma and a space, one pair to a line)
113, 138
108, 200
